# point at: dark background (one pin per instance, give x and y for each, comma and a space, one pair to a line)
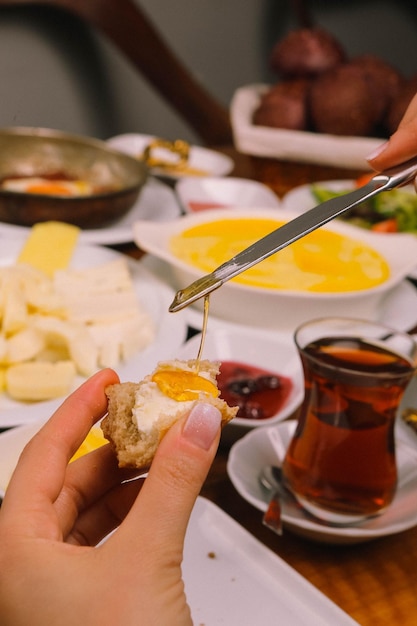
55, 72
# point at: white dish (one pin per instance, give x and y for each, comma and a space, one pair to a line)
212, 163
398, 309
231, 578
293, 145
156, 202
278, 308
199, 194
12, 443
274, 352
258, 448
301, 199
155, 297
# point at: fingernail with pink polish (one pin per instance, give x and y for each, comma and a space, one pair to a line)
379, 150
202, 425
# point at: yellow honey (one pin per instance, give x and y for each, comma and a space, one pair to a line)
322, 261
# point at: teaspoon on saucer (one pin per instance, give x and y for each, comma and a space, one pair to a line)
271, 480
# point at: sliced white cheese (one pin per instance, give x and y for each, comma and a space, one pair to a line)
25, 345
40, 381
75, 337
15, 313
105, 278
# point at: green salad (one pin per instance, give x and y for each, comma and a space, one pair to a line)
393, 211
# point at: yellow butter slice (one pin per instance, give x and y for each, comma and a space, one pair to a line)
50, 246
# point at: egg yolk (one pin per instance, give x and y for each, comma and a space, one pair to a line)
45, 186
322, 261
182, 386
55, 189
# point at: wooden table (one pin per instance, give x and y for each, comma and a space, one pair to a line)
374, 582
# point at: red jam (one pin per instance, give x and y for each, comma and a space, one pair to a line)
204, 206
258, 393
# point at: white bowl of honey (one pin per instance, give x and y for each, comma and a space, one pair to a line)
338, 269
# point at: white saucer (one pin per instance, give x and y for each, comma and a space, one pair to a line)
258, 448
209, 161
156, 202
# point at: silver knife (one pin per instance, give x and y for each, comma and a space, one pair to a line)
293, 230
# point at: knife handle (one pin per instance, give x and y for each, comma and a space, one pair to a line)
398, 175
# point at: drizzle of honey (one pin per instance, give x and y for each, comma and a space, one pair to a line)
203, 330
182, 386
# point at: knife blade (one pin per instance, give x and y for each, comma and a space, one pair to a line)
292, 231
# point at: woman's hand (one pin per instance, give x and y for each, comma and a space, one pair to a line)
54, 514
401, 146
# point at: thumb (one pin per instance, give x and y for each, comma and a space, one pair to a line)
161, 512
401, 146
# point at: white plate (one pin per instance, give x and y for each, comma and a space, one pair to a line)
209, 161
301, 199
12, 443
293, 145
156, 202
155, 297
398, 309
258, 448
232, 579
198, 194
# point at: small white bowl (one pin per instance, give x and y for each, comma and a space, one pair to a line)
270, 351
199, 194
211, 162
276, 308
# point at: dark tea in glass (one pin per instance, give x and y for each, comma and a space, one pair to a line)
341, 460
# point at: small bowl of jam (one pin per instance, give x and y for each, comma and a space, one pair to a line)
260, 372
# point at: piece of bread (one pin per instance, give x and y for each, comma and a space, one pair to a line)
139, 414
